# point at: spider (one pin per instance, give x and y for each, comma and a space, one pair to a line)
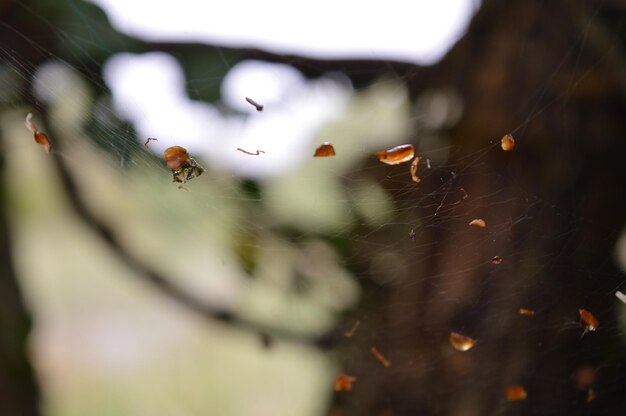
182, 166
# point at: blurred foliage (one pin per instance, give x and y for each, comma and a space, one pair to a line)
87, 308
278, 251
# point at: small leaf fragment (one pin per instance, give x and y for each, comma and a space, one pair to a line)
324, 150
514, 393
385, 362
352, 330
621, 296
478, 223
42, 139
397, 155
526, 312
507, 143
344, 382
588, 321
461, 342
414, 164
496, 260
39, 137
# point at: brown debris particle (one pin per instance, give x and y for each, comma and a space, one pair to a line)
397, 155
591, 395
39, 137
526, 312
344, 382
259, 107
148, 140
507, 143
258, 152
380, 357
478, 223
588, 321
514, 393
584, 377
461, 342
496, 259
414, 164
324, 150
267, 341
353, 329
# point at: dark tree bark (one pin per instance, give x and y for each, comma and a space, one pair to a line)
24, 44
554, 70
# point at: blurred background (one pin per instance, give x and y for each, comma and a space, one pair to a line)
254, 287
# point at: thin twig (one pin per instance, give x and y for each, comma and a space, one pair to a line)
250, 153
148, 140
259, 107
352, 330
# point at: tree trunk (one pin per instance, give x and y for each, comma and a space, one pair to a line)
554, 208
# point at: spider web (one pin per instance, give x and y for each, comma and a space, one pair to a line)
300, 243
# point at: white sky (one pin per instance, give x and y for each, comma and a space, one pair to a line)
149, 89
419, 31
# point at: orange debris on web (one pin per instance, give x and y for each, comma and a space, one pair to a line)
324, 150
353, 329
414, 164
514, 393
461, 342
385, 362
478, 223
39, 137
496, 259
507, 143
344, 382
526, 312
397, 155
588, 321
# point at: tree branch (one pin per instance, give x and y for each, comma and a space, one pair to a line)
160, 282
19, 388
